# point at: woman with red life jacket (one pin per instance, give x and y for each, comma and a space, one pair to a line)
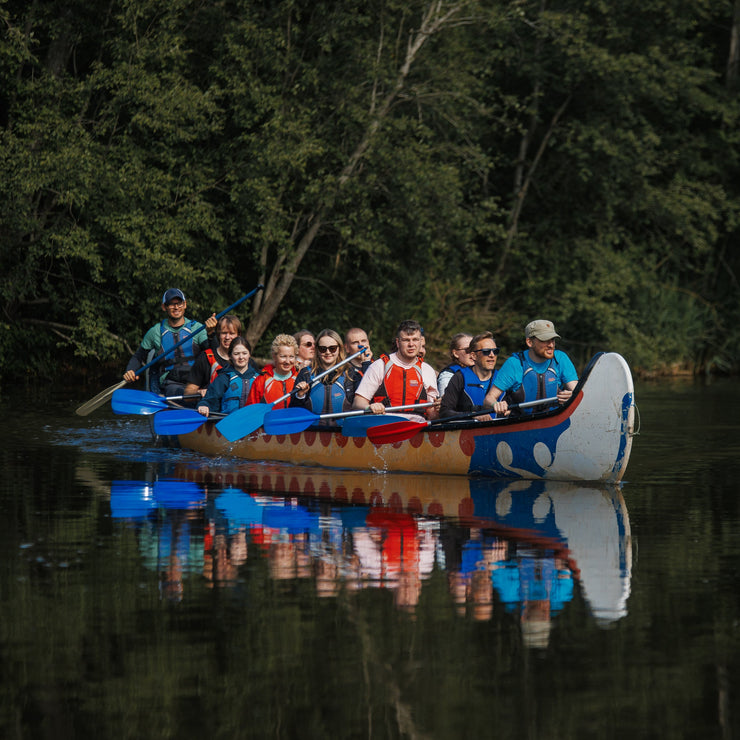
230, 390
278, 377
210, 361
400, 378
328, 395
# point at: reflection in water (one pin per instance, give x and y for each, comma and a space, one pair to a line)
523, 544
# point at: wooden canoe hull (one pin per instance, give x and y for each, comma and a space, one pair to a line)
589, 439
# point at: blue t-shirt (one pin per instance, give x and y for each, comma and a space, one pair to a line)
510, 375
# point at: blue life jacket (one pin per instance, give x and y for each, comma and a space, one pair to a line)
328, 398
475, 388
237, 391
536, 385
183, 355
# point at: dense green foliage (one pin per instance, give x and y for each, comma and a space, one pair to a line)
472, 164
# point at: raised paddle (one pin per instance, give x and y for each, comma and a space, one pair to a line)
247, 419
401, 430
180, 421
292, 420
143, 403
103, 396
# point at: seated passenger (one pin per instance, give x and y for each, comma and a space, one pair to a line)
400, 378
328, 395
541, 371
210, 361
277, 378
353, 340
459, 358
306, 348
230, 389
469, 386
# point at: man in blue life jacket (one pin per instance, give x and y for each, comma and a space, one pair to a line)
541, 371
170, 375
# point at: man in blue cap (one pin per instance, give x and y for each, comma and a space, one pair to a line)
171, 373
540, 371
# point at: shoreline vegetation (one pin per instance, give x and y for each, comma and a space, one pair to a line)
578, 161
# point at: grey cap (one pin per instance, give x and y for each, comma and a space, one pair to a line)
541, 329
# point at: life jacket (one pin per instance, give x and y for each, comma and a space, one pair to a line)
214, 362
400, 386
328, 398
182, 357
452, 369
475, 388
271, 388
535, 385
237, 391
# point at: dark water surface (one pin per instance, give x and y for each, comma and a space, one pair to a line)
151, 593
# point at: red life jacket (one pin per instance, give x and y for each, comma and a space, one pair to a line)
400, 385
214, 363
267, 388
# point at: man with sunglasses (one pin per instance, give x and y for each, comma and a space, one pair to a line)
540, 371
468, 387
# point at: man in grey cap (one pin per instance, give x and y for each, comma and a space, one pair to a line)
540, 371
162, 337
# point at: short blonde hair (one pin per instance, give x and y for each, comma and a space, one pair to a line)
283, 340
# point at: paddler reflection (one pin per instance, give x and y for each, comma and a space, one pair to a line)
517, 548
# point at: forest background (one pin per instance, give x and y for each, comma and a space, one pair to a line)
471, 164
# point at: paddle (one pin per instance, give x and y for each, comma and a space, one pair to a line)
103, 396
247, 419
401, 430
291, 420
180, 421
143, 403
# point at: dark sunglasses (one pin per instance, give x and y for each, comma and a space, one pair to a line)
324, 348
487, 351
307, 344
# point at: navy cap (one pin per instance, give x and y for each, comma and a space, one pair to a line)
172, 294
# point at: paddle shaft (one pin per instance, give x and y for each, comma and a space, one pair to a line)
368, 412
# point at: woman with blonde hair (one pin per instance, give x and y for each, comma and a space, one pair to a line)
277, 378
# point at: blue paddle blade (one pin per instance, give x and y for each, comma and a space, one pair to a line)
126, 401
243, 421
288, 421
177, 421
357, 426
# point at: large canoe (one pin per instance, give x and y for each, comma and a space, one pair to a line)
588, 439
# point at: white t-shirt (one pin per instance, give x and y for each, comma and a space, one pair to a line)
375, 374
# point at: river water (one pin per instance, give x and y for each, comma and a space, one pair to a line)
152, 593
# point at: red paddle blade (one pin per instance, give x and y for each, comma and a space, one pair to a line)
395, 432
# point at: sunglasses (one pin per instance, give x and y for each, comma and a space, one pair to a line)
328, 348
487, 351
307, 344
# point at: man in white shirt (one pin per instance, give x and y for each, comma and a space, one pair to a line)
401, 378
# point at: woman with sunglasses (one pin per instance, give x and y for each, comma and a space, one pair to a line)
459, 358
468, 386
328, 395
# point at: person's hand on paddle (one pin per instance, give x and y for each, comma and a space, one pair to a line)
130, 376
376, 408
204, 411
501, 408
301, 389
563, 395
433, 411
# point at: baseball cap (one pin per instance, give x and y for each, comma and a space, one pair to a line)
541, 329
173, 294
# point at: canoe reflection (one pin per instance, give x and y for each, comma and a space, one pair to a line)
523, 545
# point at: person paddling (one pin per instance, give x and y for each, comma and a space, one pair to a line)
540, 371
162, 338
230, 390
208, 363
469, 386
278, 378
